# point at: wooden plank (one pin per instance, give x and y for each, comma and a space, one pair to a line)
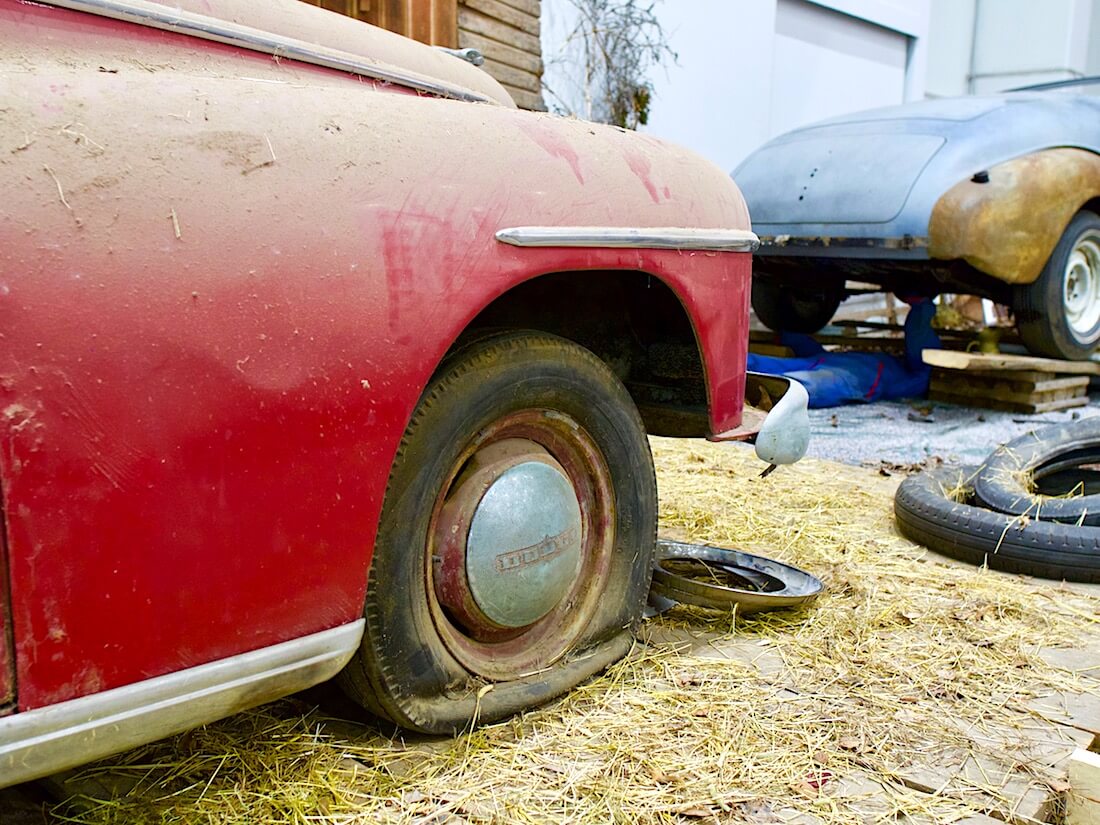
1021, 376
503, 53
478, 23
1081, 661
420, 14
1010, 794
970, 400
506, 14
1024, 392
1083, 799
338, 6
1016, 382
394, 15
516, 78
525, 99
865, 343
980, 361
445, 23
1077, 710
773, 350
529, 6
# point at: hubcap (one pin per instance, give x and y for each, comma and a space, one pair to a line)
524, 547
508, 540
520, 544
1081, 286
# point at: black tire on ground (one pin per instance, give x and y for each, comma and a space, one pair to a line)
928, 515
786, 308
1059, 314
419, 665
1003, 482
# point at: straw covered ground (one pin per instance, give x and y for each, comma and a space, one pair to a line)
901, 695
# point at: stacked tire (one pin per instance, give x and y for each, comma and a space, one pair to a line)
1032, 507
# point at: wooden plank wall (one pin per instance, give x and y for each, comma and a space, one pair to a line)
507, 33
430, 21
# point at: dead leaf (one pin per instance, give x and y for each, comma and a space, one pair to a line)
699, 812
657, 775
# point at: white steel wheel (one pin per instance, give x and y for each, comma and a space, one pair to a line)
1059, 314
1081, 284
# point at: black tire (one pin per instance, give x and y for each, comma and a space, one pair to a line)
418, 665
785, 308
1047, 323
1004, 480
927, 514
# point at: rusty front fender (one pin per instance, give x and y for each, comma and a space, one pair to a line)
1007, 227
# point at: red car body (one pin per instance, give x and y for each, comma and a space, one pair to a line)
225, 279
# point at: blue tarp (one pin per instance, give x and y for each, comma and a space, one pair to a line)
835, 378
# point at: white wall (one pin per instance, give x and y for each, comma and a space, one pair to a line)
1092, 59
751, 69
826, 64
950, 39
717, 100
982, 46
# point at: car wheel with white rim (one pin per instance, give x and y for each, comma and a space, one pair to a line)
1059, 314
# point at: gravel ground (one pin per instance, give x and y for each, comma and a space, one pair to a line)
916, 432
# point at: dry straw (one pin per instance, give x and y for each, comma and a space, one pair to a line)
851, 710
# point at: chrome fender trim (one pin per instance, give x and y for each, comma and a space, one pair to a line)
39, 742
188, 23
628, 237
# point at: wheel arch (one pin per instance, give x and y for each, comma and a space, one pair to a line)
1008, 225
633, 320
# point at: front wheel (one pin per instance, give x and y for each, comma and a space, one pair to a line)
787, 308
516, 540
1059, 314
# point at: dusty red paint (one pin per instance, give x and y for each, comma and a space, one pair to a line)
197, 429
555, 144
640, 166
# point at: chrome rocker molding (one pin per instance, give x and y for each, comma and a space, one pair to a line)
658, 237
221, 31
50, 739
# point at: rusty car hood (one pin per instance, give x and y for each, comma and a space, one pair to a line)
865, 184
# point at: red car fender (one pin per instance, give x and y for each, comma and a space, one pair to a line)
224, 282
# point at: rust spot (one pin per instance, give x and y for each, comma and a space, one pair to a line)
1008, 226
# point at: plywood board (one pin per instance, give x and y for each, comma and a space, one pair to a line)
951, 359
1083, 799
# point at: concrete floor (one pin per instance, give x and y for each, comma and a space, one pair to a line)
914, 432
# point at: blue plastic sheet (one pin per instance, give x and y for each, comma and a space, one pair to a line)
836, 378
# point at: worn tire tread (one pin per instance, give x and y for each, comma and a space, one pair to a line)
1047, 550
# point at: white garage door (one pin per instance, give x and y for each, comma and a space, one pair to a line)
826, 63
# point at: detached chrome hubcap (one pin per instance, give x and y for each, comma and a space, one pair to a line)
1081, 285
508, 540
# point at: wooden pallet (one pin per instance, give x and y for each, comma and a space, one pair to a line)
1003, 385
1027, 392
